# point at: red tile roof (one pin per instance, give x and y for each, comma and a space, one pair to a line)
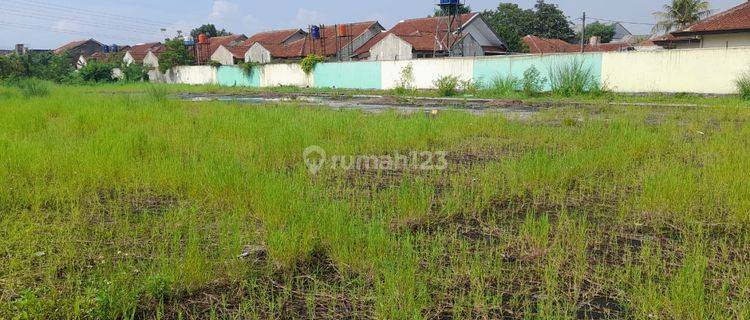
140, 51
735, 19
420, 33
238, 51
670, 39
539, 45
326, 46
271, 37
216, 42
72, 45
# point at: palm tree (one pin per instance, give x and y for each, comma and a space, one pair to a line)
680, 14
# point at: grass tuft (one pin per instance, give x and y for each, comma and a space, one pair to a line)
573, 78
743, 85
447, 86
31, 88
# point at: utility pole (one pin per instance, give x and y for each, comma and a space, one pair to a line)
583, 34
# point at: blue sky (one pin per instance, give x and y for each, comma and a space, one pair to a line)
50, 23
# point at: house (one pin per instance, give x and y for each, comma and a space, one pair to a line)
114, 54
539, 45
205, 51
146, 54
428, 37
727, 29
230, 55
670, 41
340, 42
81, 47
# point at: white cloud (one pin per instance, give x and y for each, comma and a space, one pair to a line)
222, 9
306, 17
66, 25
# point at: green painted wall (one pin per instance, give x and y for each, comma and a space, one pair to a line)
351, 75
236, 77
486, 69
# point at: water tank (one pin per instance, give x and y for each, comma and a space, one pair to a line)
449, 2
114, 48
315, 32
105, 48
342, 30
202, 38
189, 41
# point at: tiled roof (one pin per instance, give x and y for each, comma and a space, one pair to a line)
669, 39
72, 45
140, 51
238, 51
539, 45
271, 37
216, 42
326, 46
422, 34
735, 19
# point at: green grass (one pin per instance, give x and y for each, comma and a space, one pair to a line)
125, 206
33, 88
743, 85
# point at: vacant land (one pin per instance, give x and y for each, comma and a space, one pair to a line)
138, 206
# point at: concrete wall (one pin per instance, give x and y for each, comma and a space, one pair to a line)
236, 77
487, 69
274, 75
698, 71
726, 40
426, 71
354, 75
391, 48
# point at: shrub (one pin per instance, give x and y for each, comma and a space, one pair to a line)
743, 85
406, 83
214, 63
34, 88
447, 86
96, 71
308, 63
175, 54
573, 78
134, 72
247, 67
470, 86
504, 85
533, 82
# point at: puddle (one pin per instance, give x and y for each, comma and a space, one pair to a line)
378, 104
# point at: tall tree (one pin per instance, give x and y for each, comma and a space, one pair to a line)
210, 31
680, 14
551, 22
175, 54
597, 29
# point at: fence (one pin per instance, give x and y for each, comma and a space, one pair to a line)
709, 71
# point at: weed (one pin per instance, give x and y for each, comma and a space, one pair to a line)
31, 88
157, 92
572, 78
533, 82
308, 63
504, 85
249, 67
743, 85
470, 86
447, 86
406, 82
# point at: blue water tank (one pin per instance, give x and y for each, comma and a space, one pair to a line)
189, 41
114, 48
105, 48
315, 32
449, 2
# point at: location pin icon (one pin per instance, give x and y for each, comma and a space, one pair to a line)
315, 158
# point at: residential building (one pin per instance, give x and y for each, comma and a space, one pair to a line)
230, 55
205, 51
727, 29
430, 37
670, 41
338, 42
539, 45
82, 47
146, 54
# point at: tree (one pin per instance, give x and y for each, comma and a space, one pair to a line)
440, 12
597, 29
210, 31
175, 54
680, 14
551, 22
96, 71
513, 23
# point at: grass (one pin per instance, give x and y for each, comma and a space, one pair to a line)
743, 85
125, 206
33, 88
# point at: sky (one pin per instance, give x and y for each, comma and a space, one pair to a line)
48, 24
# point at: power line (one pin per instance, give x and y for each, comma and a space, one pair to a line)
37, 27
36, 15
110, 16
623, 22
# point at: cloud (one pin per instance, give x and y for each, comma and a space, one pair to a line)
66, 25
306, 17
222, 9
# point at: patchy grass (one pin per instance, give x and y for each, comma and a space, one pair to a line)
126, 206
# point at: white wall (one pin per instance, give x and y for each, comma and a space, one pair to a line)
391, 48
726, 40
674, 71
427, 70
274, 75
258, 54
186, 75
151, 60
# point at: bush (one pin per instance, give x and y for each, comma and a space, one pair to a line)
504, 85
572, 79
134, 72
743, 85
175, 54
247, 67
309, 62
214, 63
34, 88
447, 86
406, 83
470, 86
96, 71
533, 82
